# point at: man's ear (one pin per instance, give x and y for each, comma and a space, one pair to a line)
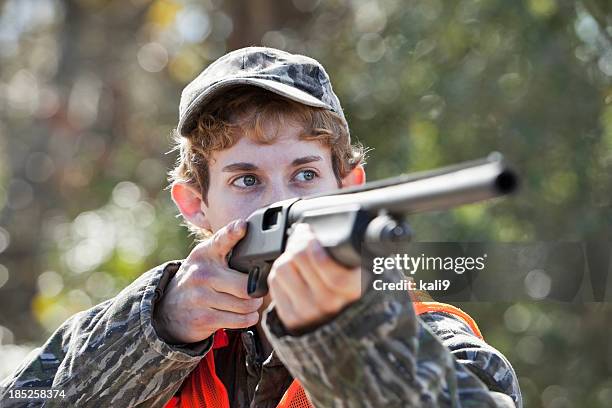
189, 202
356, 177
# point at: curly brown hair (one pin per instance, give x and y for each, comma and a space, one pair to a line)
244, 111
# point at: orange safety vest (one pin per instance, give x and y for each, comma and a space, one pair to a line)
204, 389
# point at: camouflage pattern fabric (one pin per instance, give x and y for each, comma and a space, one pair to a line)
375, 353
489, 365
379, 353
110, 355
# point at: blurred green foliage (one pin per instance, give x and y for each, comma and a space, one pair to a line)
89, 94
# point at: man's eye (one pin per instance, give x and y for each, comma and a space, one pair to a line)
245, 181
306, 175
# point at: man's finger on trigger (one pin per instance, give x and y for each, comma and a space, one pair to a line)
230, 303
230, 320
227, 237
232, 282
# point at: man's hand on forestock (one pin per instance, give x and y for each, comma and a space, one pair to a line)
307, 286
205, 294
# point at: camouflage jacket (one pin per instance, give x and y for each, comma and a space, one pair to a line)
375, 353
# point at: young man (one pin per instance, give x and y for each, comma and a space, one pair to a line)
257, 126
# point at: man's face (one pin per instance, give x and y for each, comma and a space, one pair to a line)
250, 175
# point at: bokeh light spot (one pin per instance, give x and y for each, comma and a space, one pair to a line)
152, 57
538, 284
4, 275
517, 318
50, 284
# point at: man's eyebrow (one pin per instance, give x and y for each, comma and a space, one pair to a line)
306, 159
241, 166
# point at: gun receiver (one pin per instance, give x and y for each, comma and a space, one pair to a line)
365, 220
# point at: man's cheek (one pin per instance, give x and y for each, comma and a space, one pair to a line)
243, 208
228, 210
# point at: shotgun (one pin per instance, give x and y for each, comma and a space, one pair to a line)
367, 220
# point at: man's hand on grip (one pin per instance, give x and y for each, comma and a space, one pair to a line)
205, 294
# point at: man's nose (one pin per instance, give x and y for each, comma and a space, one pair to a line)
279, 192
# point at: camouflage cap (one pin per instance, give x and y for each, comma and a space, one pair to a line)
293, 76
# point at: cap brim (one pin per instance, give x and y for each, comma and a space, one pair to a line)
187, 121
